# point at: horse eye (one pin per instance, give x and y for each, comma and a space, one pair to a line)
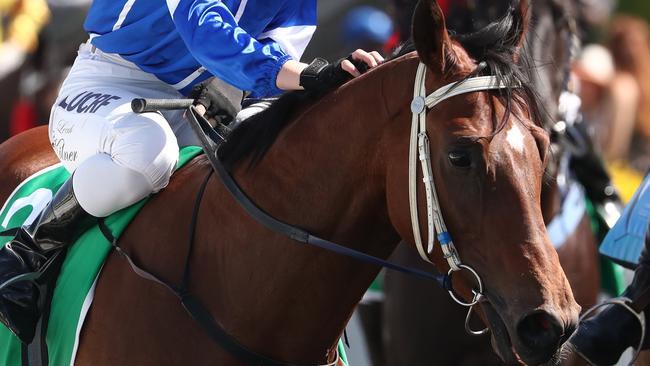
460, 158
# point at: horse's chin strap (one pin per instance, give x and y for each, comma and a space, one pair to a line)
419, 147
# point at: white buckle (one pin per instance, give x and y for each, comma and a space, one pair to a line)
418, 105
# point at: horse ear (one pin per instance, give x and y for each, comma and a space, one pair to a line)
430, 35
520, 26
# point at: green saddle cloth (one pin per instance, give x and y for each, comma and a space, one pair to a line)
75, 286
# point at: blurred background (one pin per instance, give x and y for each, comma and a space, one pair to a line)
39, 39
611, 72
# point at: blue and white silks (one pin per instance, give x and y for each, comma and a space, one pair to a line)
626, 240
183, 42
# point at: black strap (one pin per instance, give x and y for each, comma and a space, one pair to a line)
196, 310
641, 301
293, 232
181, 290
10, 232
185, 281
199, 312
201, 315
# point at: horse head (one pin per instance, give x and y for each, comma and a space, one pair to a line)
488, 154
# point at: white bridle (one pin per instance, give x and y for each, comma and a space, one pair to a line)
419, 147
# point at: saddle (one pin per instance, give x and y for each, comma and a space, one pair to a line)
62, 306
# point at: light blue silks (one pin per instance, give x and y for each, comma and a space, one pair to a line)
566, 222
626, 239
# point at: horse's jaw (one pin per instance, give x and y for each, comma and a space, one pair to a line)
502, 343
499, 336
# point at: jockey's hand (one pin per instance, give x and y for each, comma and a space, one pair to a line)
360, 61
212, 104
321, 75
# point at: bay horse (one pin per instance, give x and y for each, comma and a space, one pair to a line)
338, 168
410, 329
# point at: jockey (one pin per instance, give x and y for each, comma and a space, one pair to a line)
152, 49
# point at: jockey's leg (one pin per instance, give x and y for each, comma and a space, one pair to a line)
142, 151
117, 159
119, 186
60, 222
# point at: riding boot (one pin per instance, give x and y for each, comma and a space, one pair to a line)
24, 259
602, 339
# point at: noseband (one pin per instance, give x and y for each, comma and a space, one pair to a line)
419, 147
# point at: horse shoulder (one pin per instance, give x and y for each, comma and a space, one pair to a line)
127, 310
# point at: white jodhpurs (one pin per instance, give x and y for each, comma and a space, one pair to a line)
118, 157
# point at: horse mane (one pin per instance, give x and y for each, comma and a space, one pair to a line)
492, 45
257, 134
254, 137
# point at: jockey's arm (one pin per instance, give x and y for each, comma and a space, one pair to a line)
289, 75
214, 38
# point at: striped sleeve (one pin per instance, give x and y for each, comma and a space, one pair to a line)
293, 27
212, 35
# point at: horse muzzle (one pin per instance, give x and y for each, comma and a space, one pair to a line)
541, 336
537, 339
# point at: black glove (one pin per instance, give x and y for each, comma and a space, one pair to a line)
217, 105
322, 76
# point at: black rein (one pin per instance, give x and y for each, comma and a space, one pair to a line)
211, 141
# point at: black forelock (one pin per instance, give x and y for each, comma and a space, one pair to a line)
494, 41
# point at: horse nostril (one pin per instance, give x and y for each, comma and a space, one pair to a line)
541, 333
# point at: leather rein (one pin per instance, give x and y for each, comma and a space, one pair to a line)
211, 140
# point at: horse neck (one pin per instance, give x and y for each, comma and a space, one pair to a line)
326, 174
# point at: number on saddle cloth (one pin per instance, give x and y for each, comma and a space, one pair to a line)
83, 262
626, 240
